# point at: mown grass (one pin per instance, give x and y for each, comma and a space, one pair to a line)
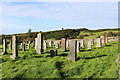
94, 63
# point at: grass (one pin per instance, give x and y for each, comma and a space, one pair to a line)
94, 63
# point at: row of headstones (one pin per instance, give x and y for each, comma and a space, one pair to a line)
39, 44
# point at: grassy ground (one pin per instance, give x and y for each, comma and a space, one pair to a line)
95, 63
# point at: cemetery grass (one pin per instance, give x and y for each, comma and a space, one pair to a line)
94, 63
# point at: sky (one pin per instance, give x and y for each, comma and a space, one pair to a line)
18, 17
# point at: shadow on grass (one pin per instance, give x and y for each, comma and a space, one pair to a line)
63, 54
37, 56
108, 45
85, 50
90, 57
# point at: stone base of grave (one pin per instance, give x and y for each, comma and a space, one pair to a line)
14, 57
4, 53
70, 58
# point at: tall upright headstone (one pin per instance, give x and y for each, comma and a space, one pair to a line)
89, 44
78, 46
4, 47
10, 45
45, 45
98, 41
35, 43
50, 43
102, 39
29, 44
63, 44
73, 48
82, 43
14, 48
23, 47
39, 47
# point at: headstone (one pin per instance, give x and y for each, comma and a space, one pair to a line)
78, 46
35, 43
89, 44
98, 41
28, 44
82, 43
53, 53
67, 43
102, 39
23, 47
14, 48
21, 44
63, 44
39, 47
10, 45
73, 48
45, 45
50, 43
4, 47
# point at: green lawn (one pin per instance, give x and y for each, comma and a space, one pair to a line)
97, 63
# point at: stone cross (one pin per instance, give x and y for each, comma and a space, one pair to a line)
73, 48
39, 46
63, 44
98, 41
4, 47
10, 45
89, 44
14, 48
53, 52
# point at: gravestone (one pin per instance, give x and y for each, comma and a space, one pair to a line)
98, 41
82, 43
102, 39
73, 48
50, 43
10, 45
14, 48
53, 52
78, 46
4, 47
28, 44
63, 44
21, 44
89, 44
45, 45
39, 45
23, 47
35, 43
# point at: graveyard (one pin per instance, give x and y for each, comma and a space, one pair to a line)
92, 56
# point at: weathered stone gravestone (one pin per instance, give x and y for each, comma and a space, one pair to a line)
4, 47
29, 44
89, 44
10, 45
53, 52
39, 45
35, 43
21, 44
102, 39
50, 43
14, 48
82, 43
98, 41
73, 48
56, 44
63, 44
78, 46
45, 45
23, 47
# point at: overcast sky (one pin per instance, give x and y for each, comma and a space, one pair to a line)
18, 17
